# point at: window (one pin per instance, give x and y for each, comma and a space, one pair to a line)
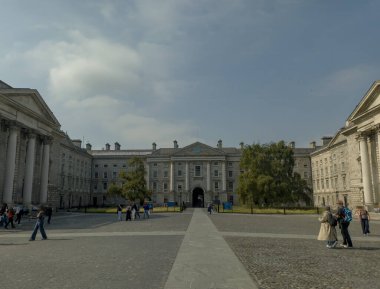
105, 166
344, 182
165, 174
216, 185
230, 174
327, 184
179, 187
154, 174
155, 164
179, 173
96, 166
105, 186
216, 163
124, 166
305, 175
105, 175
216, 173
96, 175
154, 186
95, 187
115, 166
230, 186
230, 164
197, 172
114, 174
165, 187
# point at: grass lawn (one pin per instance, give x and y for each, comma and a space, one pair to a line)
113, 210
245, 210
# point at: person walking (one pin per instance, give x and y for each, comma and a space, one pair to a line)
119, 212
364, 220
210, 208
39, 226
146, 210
10, 216
49, 213
136, 208
19, 212
128, 214
344, 216
327, 231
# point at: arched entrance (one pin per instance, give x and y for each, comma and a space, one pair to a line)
198, 198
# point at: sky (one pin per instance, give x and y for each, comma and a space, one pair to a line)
138, 72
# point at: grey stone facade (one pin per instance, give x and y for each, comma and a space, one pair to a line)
347, 167
40, 164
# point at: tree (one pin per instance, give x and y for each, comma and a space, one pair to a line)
267, 175
134, 186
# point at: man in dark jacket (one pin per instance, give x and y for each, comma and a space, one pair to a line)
343, 225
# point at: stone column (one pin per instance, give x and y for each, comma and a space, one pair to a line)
147, 176
366, 171
45, 171
30, 157
187, 176
224, 186
10, 164
171, 187
208, 179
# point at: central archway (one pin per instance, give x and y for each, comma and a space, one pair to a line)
198, 198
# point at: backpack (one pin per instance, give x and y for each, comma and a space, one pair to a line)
347, 215
333, 221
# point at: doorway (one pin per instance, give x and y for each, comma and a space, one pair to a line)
198, 198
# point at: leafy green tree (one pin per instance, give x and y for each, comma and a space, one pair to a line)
267, 176
135, 184
115, 190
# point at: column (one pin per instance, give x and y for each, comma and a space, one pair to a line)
10, 165
30, 157
366, 172
208, 177
45, 171
147, 169
171, 187
224, 186
187, 177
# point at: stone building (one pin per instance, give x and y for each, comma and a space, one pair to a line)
347, 165
40, 164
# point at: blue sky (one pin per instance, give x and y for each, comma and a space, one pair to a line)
148, 71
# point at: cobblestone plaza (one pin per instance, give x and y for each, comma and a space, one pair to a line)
172, 250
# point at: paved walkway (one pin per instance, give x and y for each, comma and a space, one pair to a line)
205, 261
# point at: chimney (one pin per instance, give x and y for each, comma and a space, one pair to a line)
326, 140
77, 142
175, 144
108, 146
117, 146
292, 144
242, 145
219, 144
313, 145
88, 146
154, 146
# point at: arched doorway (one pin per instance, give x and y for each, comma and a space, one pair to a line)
198, 198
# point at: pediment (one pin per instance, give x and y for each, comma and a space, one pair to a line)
369, 103
197, 149
30, 100
338, 138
